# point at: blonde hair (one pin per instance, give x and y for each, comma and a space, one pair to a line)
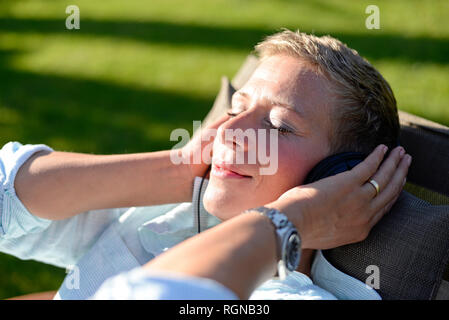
365, 113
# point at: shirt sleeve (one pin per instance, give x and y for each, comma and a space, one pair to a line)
15, 219
26, 236
139, 284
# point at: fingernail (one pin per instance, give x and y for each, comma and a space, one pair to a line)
409, 159
384, 149
405, 180
401, 152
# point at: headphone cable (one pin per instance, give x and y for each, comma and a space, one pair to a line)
199, 197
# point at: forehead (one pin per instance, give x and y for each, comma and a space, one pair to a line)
291, 81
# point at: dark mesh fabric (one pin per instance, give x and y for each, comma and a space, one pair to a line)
426, 194
410, 245
428, 143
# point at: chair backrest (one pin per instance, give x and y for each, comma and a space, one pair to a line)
428, 177
426, 141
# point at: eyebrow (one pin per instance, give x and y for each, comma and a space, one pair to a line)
273, 102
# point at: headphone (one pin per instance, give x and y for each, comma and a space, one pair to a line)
339, 163
199, 196
333, 165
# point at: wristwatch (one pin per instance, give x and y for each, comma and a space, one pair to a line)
288, 240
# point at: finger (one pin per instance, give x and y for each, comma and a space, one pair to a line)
364, 170
218, 122
376, 218
394, 186
208, 133
385, 172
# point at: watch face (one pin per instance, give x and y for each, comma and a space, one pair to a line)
293, 251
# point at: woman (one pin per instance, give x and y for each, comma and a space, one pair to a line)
288, 93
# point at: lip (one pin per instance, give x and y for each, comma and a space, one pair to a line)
222, 170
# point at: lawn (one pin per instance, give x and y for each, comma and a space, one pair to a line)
136, 70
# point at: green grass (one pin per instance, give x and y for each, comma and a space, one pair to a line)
23, 277
138, 69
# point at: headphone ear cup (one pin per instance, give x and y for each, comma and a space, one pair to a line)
333, 165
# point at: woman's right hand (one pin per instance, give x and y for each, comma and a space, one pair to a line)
201, 145
342, 209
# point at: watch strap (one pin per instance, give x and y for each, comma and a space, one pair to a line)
283, 231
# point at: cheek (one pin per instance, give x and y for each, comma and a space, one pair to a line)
293, 165
291, 171
295, 160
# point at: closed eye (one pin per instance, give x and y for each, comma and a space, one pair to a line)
283, 130
280, 128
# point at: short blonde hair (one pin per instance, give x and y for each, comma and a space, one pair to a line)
365, 114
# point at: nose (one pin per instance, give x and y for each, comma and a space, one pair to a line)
240, 131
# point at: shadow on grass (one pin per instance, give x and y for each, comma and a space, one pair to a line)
90, 116
372, 45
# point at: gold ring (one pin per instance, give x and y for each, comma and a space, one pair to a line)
375, 185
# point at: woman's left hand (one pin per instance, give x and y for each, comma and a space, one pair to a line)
342, 209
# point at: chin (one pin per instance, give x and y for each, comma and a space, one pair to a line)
221, 205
